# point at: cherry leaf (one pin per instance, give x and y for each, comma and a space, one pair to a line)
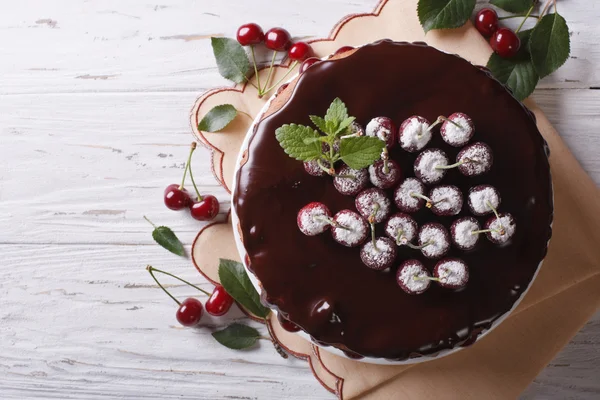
236, 282
513, 6
218, 118
444, 14
549, 44
518, 72
165, 237
231, 58
237, 336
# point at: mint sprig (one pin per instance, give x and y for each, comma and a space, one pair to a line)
332, 144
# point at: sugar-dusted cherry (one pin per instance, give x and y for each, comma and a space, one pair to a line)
451, 273
382, 128
205, 208
378, 254
350, 182
486, 21
505, 42
373, 204
299, 51
190, 312
430, 166
500, 228
465, 233
219, 302
483, 199
349, 228
401, 228
250, 34
176, 197
314, 219
413, 277
414, 133
434, 240
385, 174
474, 159
410, 196
278, 39
446, 200
457, 129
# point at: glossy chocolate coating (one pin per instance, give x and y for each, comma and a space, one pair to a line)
312, 279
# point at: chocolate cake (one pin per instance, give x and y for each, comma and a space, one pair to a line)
431, 298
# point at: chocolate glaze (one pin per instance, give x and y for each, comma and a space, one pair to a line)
366, 312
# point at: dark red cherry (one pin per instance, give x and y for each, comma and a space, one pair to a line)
287, 324
189, 312
176, 198
205, 209
309, 62
299, 51
486, 22
278, 39
219, 302
249, 34
505, 42
343, 50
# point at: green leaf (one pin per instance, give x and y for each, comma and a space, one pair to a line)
343, 126
292, 138
231, 58
319, 123
361, 151
167, 239
337, 112
217, 118
513, 6
549, 44
444, 14
236, 282
517, 72
237, 336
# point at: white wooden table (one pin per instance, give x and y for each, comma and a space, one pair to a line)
94, 102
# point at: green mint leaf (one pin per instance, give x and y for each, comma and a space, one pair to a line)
236, 282
361, 151
231, 58
319, 123
217, 118
292, 138
343, 126
167, 239
513, 6
444, 14
517, 72
549, 44
337, 112
237, 336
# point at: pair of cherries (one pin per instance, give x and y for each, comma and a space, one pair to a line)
504, 41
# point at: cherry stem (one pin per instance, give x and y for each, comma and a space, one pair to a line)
399, 237
517, 16
429, 203
501, 231
412, 246
331, 222
261, 93
151, 269
290, 69
458, 164
255, 68
486, 231
376, 208
187, 165
386, 168
329, 171
426, 278
525, 19
547, 6
151, 223
246, 114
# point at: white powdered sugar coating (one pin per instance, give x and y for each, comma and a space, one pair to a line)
452, 272
377, 127
462, 235
480, 197
402, 196
353, 230
369, 199
351, 186
426, 163
506, 223
481, 159
454, 135
312, 219
436, 235
313, 168
415, 134
382, 180
401, 224
406, 277
380, 256
356, 129
447, 200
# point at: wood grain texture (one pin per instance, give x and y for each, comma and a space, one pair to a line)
94, 103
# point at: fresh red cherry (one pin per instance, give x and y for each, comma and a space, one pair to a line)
287, 324
189, 312
309, 62
219, 302
205, 209
486, 21
278, 39
343, 50
176, 198
249, 34
299, 51
505, 42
